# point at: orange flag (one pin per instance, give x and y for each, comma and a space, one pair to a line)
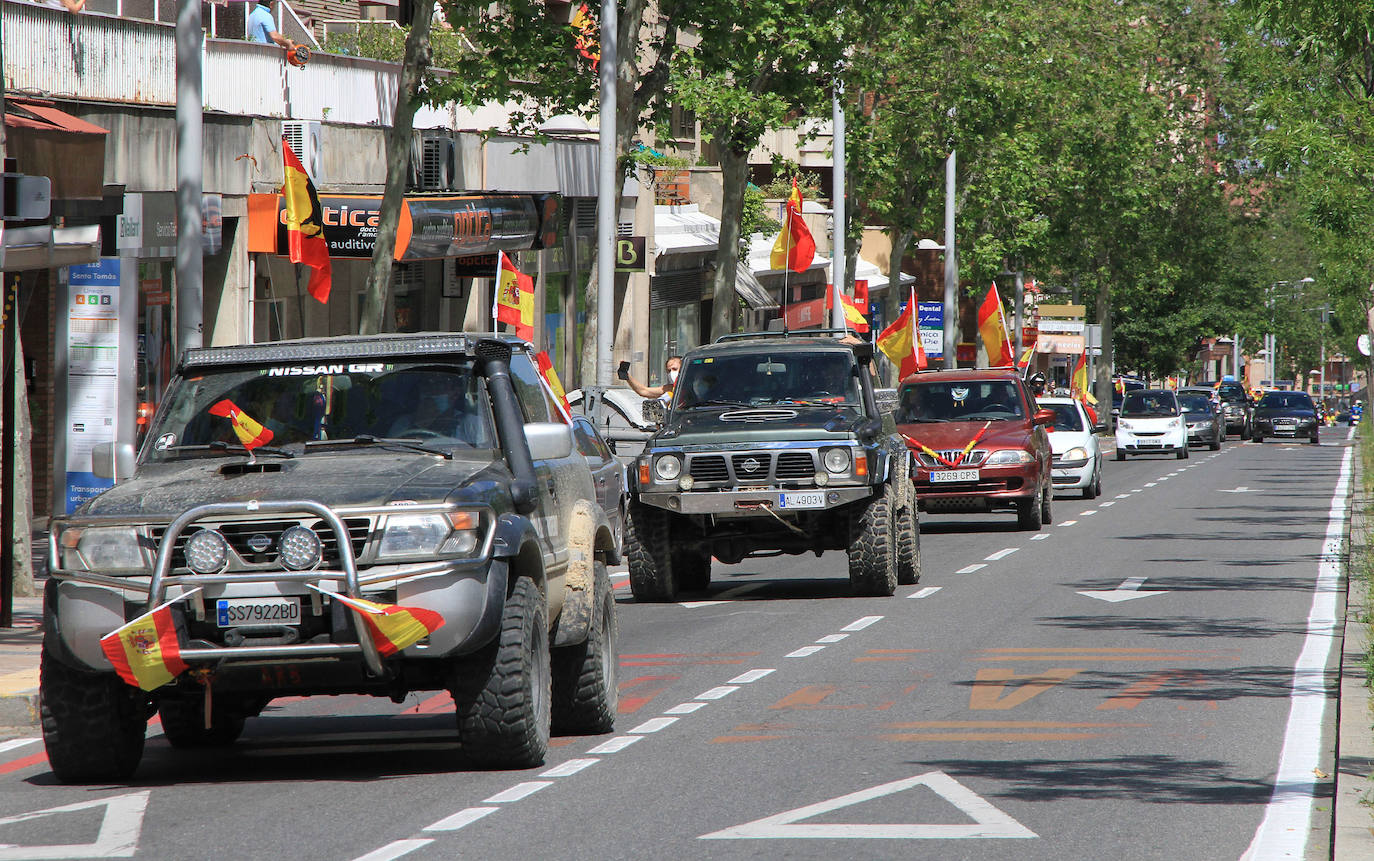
514, 299
305, 242
993, 327
246, 428
393, 627
901, 342
145, 652
794, 248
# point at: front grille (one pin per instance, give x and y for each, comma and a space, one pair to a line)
752, 468
974, 458
240, 535
795, 464
708, 468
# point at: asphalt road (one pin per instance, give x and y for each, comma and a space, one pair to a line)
994, 710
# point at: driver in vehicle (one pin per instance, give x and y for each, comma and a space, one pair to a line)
437, 414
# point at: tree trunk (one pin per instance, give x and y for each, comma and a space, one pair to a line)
734, 171
22, 572
588, 360
417, 60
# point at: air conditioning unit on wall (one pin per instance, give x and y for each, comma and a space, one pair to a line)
438, 162
306, 142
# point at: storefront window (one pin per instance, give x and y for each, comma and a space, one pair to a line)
155, 334
672, 331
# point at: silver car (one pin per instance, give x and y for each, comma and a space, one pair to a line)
608, 473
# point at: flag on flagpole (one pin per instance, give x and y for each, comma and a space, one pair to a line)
305, 242
794, 248
513, 302
853, 317
146, 652
901, 342
392, 626
992, 325
552, 383
249, 431
1078, 385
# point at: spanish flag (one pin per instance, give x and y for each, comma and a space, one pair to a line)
901, 342
993, 327
514, 299
305, 242
393, 627
246, 428
794, 248
145, 652
853, 317
555, 387
1079, 386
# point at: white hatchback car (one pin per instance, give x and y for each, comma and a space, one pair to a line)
1151, 422
1077, 462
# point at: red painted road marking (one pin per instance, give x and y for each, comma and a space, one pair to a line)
436, 704
25, 762
1137, 692
646, 688
670, 659
988, 686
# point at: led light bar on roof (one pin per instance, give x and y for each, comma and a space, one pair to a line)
346, 347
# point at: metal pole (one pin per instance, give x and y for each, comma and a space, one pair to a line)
1020, 310
1321, 392
189, 267
837, 261
951, 266
9, 415
607, 197
1235, 356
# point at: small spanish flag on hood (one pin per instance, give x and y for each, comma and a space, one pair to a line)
145, 652
246, 428
393, 627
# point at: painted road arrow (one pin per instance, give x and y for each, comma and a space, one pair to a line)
117, 837
1129, 588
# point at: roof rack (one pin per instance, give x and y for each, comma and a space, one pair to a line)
788, 333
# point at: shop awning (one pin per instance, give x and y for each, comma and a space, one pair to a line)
47, 247
1062, 345
683, 229
754, 294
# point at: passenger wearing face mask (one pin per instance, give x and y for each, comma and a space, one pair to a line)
664, 392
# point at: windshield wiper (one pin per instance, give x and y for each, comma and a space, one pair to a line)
218, 446
927, 419
369, 439
712, 402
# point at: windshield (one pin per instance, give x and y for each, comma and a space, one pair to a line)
826, 378
1066, 417
1195, 403
281, 408
961, 401
1149, 404
1285, 400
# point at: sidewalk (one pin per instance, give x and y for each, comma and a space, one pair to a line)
1353, 805
20, 646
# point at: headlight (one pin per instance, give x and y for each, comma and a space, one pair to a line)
424, 535
1124, 425
668, 467
1010, 455
102, 548
206, 552
1173, 423
301, 549
1076, 453
835, 460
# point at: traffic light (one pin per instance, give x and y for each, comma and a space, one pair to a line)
25, 198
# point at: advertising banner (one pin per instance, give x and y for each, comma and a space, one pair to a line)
92, 319
930, 317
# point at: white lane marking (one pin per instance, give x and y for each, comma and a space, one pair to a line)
833, 638
988, 821
653, 725
926, 592
1121, 496
571, 767
1151, 483
1244, 488
804, 652
723, 597
395, 849
1137, 490
1040, 536
616, 744
717, 692
16, 742
861, 623
1107, 504
1283, 831
1089, 513
462, 818
1068, 523
1001, 554
1129, 588
685, 708
518, 791
120, 826
751, 676
969, 569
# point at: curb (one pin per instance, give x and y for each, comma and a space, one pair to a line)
1352, 832
19, 710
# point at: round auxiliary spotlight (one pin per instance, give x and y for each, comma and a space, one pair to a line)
301, 549
207, 552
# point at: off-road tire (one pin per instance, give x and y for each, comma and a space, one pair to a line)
648, 554
873, 547
93, 723
183, 723
908, 545
692, 571
584, 675
1029, 513
501, 693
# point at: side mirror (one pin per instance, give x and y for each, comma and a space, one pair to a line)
549, 440
1044, 417
112, 460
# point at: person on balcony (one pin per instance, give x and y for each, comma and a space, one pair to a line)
262, 26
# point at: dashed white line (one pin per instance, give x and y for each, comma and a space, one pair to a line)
833, 638
1040, 536
717, 692
653, 725
1108, 504
969, 569
15, 742
1151, 483
1001, 554
616, 744
463, 817
1068, 523
751, 676
1122, 495
1137, 490
1089, 513
861, 623
571, 767
395, 850
518, 791
926, 592
684, 708
804, 651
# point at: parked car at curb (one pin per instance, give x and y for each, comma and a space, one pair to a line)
1077, 455
1205, 426
1151, 422
608, 473
1286, 414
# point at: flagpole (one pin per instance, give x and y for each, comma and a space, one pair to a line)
496, 294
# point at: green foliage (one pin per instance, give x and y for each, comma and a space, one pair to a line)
756, 216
